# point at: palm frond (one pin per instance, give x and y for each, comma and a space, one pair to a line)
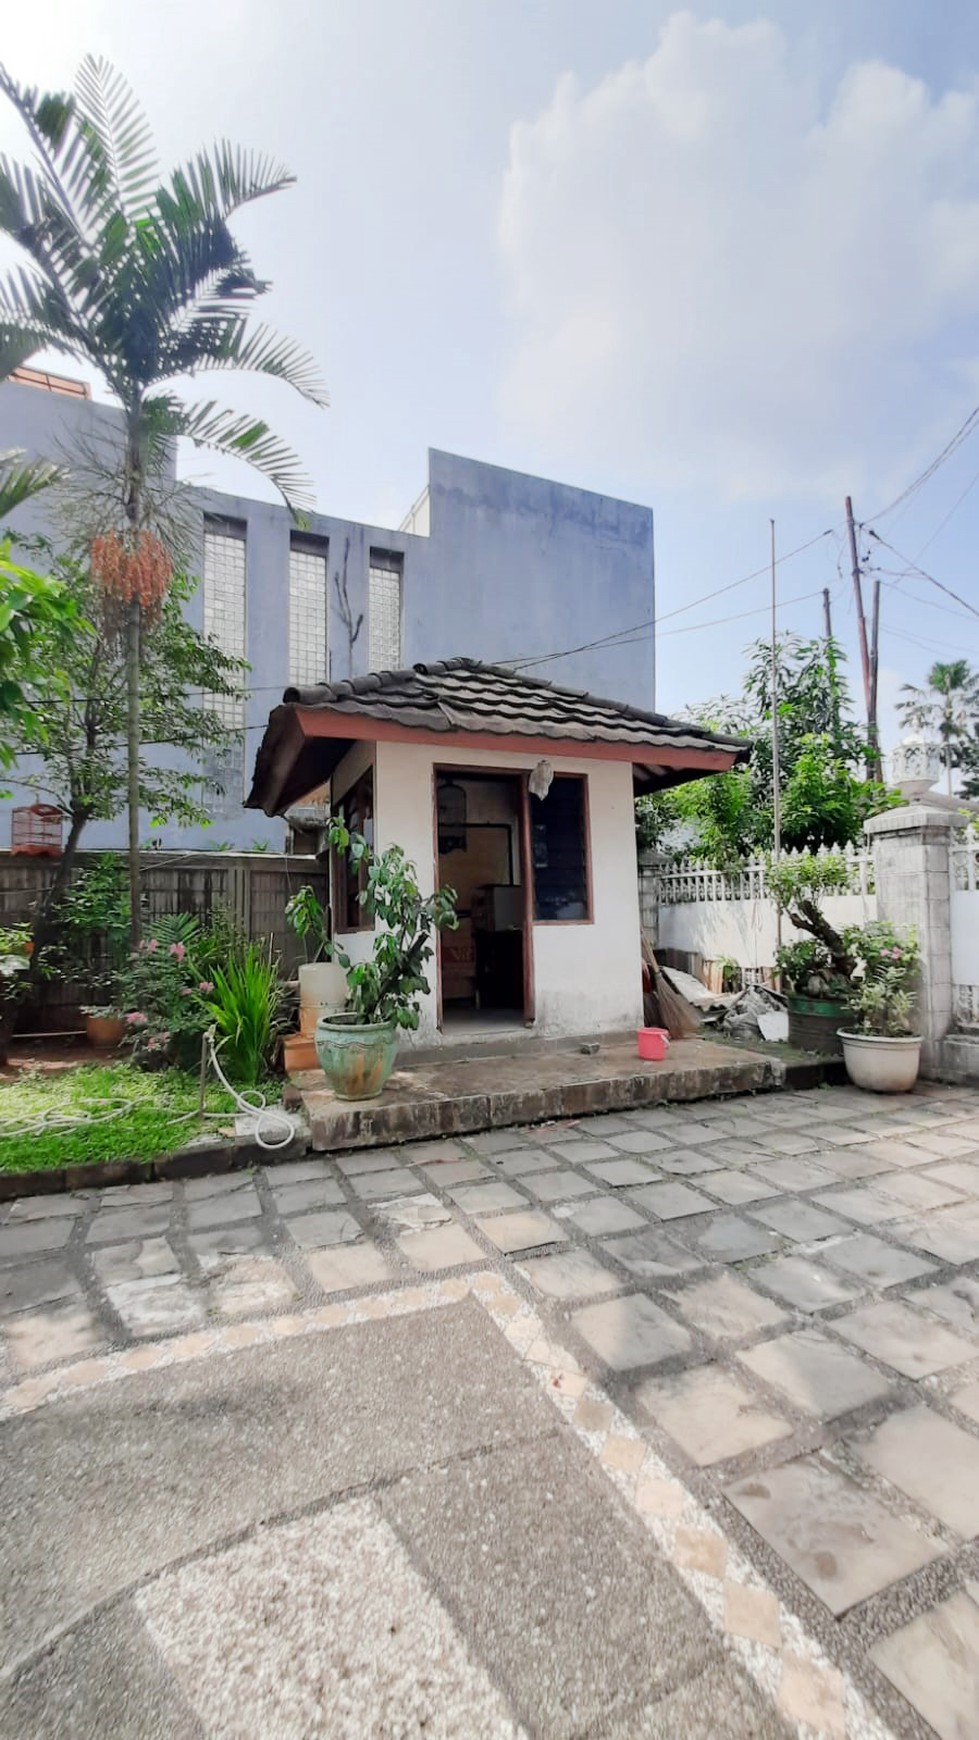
22, 478
224, 341
122, 170
218, 182
241, 437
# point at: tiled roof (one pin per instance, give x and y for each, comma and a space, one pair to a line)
465, 695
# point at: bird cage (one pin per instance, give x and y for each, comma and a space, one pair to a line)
35, 831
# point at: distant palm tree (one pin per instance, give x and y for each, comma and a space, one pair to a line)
20, 478
142, 281
947, 707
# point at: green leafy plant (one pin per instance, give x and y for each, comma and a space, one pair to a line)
387, 988
884, 986
798, 885
806, 968
16, 948
310, 921
244, 1007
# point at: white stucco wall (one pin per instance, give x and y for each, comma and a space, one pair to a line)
587, 977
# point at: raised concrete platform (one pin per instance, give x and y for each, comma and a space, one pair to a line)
452, 1096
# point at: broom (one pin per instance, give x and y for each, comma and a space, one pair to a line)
678, 1016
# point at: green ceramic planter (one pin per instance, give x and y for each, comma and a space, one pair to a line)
356, 1058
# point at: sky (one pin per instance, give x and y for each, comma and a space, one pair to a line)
722, 260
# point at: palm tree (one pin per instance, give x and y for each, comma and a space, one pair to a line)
947, 707
142, 281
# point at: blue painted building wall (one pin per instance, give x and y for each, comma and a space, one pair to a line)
512, 568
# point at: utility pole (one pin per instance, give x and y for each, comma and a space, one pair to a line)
874, 641
827, 616
776, 792
873, 756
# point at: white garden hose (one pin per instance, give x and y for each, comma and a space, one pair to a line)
251, 1102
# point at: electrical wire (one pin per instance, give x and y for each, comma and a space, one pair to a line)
962, 434
912, 567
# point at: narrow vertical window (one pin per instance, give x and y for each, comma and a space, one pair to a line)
559, 849
224, 601
384, 610
308, 662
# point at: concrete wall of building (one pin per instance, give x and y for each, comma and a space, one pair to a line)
510, 566
587, 975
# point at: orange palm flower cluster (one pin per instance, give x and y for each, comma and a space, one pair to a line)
128, 568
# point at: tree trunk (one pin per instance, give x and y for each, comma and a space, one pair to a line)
44, 924
132, 767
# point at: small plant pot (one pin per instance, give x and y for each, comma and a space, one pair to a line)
882, 1066
814, 1023
356, 1057
104, 1032
322, 992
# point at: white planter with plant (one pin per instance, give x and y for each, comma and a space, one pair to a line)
881, 1051
357, 1049
322, 982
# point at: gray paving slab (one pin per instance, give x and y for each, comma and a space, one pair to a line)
51, 1334
792, 1174
600, 1215
631, 1332
248, 1286
932, 1662
803, 1284
250, 1235
799, 1220
671, 1201
135, 1261
641, 1142
909, 1341
839, 1539
876, 1263
332, 1227
307, 1193
932, 1461
651, 1254
619, 1173
40, 1283
368, 1160
863, 1203
342, 1267
157, 1305
729, 1239
816, 1373
711, 1415
725, 1307
443, 1173
521, 1162
225, 1210
737, 1188
19, 1241
374, 1186
59, 1206
443, 1247
563, 1186
688, 1162
918, 1190
513, 1233
583, 1149
485, 1198
957, 1301
945, 1235
572, 1274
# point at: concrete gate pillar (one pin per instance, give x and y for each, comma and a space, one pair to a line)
911, 849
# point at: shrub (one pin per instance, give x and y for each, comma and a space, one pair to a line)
388, 986
244, 1006
883, 990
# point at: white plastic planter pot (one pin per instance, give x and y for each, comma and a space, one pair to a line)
882, 1066
322, 991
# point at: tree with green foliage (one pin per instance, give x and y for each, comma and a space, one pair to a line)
78, 694
947, 708
825, 798
34, 611
142, 281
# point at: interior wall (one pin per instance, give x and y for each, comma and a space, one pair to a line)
588, 975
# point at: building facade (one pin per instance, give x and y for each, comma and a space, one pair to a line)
512, 568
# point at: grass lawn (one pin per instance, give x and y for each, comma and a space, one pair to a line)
155, 1113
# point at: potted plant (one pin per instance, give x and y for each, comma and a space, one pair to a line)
322, 981
105, 1025
817, 968
16, 949
357, 1049
881, 1050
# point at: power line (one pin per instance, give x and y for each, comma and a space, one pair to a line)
912, 567
962, 434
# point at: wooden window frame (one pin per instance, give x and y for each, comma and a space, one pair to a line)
589, 915
343, 807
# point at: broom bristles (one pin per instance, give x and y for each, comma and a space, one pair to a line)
679, 1017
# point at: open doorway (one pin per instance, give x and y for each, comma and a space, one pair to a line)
483, 966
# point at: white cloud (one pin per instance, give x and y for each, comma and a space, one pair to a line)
719, 277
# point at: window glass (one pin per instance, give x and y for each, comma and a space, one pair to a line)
559, 850
357, 810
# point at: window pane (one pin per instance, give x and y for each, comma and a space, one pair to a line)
307, 614
357, 810
558, 849
384, 611
224, 601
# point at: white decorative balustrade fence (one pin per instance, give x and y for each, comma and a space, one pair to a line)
964, 918
716, 916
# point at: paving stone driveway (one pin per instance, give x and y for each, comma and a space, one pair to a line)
781, 1293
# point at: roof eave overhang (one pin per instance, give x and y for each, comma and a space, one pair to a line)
293, 728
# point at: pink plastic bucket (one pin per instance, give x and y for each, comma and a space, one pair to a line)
653, 1043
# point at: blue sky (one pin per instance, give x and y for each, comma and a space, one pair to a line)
724, 261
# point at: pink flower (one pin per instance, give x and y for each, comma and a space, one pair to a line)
136, 1018
185, 991
153, 945
178, 950
206, 985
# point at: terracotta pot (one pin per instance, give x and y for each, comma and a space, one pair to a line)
882, 1066
104, 1032
356, 1058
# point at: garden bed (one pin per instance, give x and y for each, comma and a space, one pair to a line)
52, 1121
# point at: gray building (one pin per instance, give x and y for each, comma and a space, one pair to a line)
490, 563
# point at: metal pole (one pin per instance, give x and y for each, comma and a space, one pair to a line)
776, 794
862, 631
827, 615
874, 639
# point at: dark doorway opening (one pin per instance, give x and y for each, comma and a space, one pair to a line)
480, 854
